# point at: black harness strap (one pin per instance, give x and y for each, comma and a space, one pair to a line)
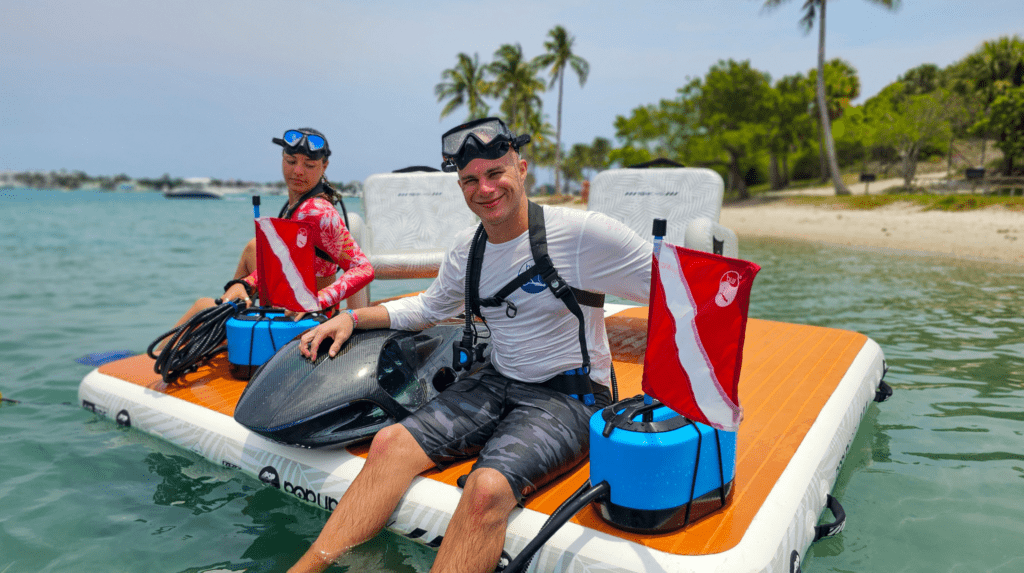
573, 382
286, 212
559, 288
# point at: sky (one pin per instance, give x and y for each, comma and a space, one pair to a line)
197, 88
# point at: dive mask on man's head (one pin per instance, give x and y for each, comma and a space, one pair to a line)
487, 138
306, 141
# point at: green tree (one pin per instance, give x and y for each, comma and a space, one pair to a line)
541, 150
812, 8
996, 65
464, 85
667, 129
584, 157
790, 126
860, 131
910, 122
574, 163
1006, 118
923, 79
516, 83
842, 85
597, 158
732, 102
643, 135
558, 58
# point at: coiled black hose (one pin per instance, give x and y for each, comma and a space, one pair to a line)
194, 341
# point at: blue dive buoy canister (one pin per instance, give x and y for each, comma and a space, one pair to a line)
664, 471
256, 333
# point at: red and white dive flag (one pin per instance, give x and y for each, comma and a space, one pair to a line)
284, 258
695, 330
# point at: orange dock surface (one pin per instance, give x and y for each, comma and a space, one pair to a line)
789, 372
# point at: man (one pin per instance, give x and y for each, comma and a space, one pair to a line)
525, 413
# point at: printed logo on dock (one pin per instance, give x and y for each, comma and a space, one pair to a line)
312, 496
269, 476
123, 419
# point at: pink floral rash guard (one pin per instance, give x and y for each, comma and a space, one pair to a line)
331, 236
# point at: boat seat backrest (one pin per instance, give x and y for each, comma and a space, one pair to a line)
410, 221
637, 196
690, 199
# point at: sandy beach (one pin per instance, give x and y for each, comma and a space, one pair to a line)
991, 234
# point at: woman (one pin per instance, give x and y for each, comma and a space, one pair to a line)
310, 198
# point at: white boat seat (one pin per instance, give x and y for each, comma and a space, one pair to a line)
689, 198
409, 222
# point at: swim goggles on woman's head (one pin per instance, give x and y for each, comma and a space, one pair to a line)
487, 138
306, 141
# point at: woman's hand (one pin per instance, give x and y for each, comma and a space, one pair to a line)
237, 291
339, 328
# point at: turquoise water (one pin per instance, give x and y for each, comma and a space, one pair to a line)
933, 482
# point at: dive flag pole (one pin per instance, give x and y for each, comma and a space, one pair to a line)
255, 206
659, 230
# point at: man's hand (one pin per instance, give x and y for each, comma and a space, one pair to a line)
295, 316
339, 328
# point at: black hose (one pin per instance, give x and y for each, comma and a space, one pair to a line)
569, 508
193, 342
615, 386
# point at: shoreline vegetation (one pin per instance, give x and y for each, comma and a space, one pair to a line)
992, 233
941, 216
64, 180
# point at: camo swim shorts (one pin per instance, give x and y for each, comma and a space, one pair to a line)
529, 433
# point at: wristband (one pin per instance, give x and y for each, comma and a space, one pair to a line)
352, 315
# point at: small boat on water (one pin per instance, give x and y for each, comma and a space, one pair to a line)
192, 192
804, 389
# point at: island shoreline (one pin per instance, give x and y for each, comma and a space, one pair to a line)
991, 234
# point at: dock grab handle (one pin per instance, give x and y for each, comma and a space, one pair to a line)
830, 529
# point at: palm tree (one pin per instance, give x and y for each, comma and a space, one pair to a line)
811, 8
841, 86
559, 56
515, 82
464, 84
